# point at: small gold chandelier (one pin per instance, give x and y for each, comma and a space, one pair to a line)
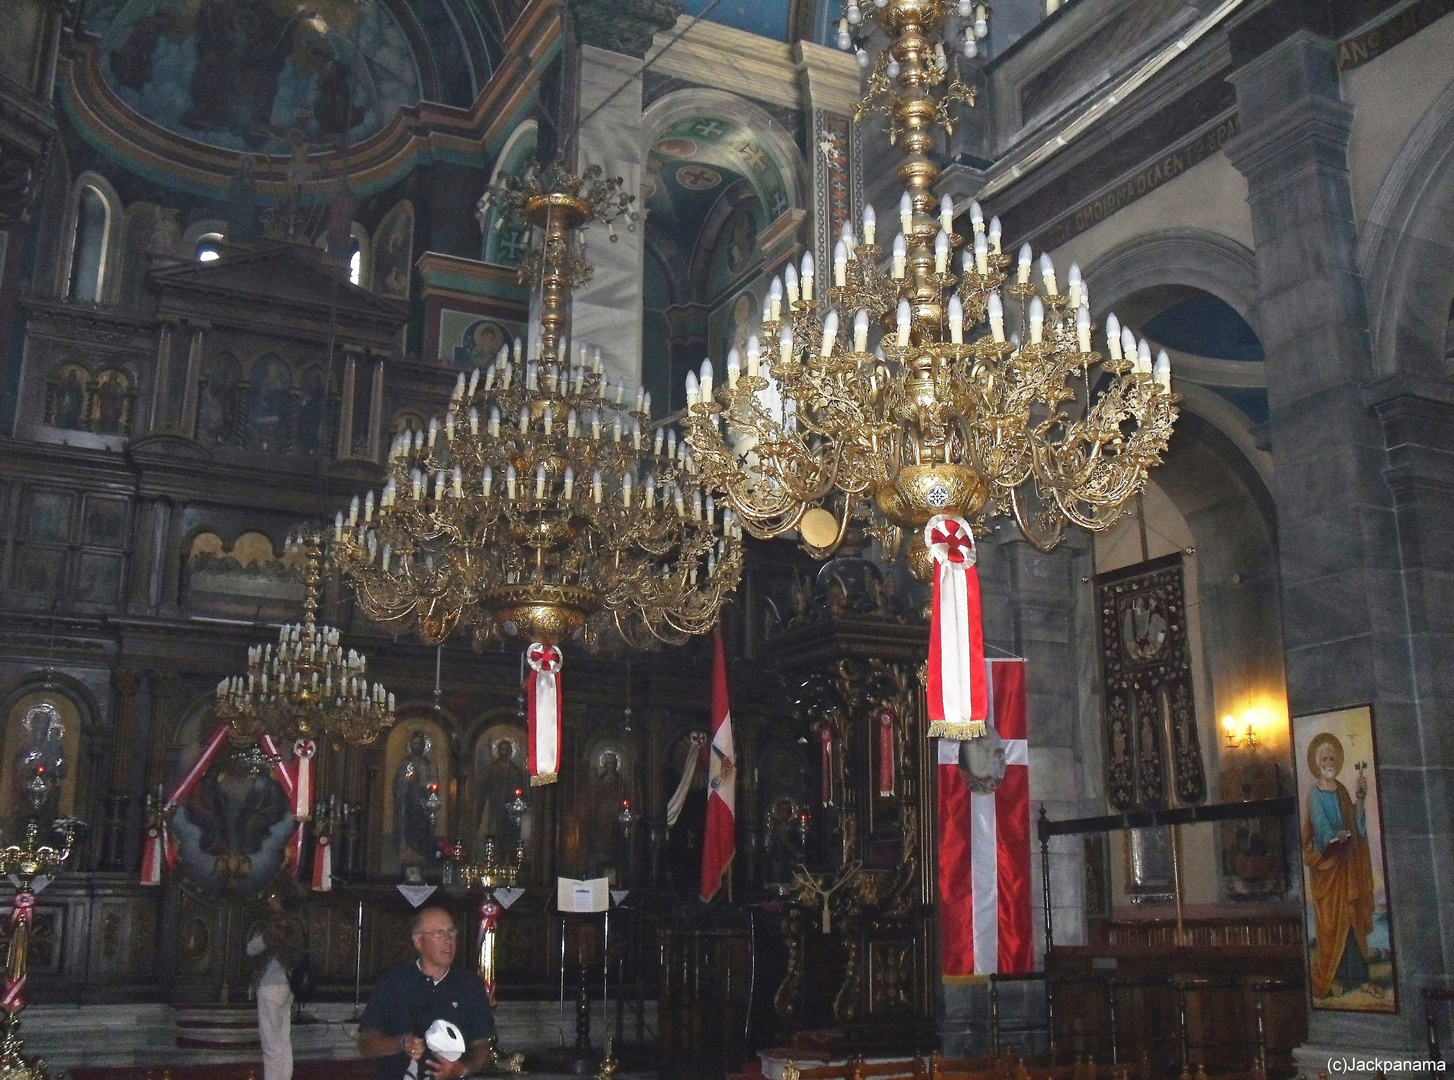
948, 415
305, 686
541, 506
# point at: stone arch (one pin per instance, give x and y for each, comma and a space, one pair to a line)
498, 245
78, 707
693, 102
1406, 252
1196, 259
197, 230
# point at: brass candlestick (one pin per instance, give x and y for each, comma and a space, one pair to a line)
26, 862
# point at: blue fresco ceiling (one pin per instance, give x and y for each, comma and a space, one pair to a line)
766, 18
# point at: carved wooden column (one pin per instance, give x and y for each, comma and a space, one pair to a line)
113, 838
162, 376
164, 688
344, 449
194, 375
656, 810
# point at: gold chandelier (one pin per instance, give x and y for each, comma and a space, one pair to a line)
305, 686
541, 506
948, 415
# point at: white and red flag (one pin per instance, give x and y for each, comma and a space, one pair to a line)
984, 839
543, 708
958, 702
720, 837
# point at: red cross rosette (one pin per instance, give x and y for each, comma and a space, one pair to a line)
958, 702
543, 702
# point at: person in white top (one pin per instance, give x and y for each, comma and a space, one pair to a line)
279, 946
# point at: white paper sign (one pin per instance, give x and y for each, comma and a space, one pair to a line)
416, 894
582, 897
508, 896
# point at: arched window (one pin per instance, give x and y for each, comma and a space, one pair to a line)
88, 253
355, 265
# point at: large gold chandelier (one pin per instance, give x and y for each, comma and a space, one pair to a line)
541, 506
306, 686
949, 415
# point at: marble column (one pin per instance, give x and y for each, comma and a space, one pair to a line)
607, 309
1346, 561
376, 408
194, 374
344, 449
162, 373
830, 81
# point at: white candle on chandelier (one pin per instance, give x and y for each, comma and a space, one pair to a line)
705, 376
941, 253
626, 489
570, 424
976, 216
491, 373
676, 497
904, 322
570, 482
474, 420
494, 422
845, 39
671, 443
449, 426
956, 320
1162, 371
368, 508
840, 264
981, 21
1113, 336
981, 254
775, 299
906, 213
1083, 328
416, 485
734, 368
790, 283
488, 482
1023, 270
849, 240
456, 486
996, 309
806, 276
697, 505
433, 430
785, 346
901, 257
338, 528
660, 438
458, 391
852, 13
870, 224
754, 353
596, 487
1143, 357
616, 429
440, 486
1133, 350
1073, 283
474, 382
1037, 320
1047, 275
648, 492
549, 419
994, 234
596, 424
830, 334
353, 512
860, 331
691, 385
524, 423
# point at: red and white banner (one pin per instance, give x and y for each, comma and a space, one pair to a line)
720, 838
984, 840
22, 906
489, 922
885, 752
323, 863
958, 702
543, 707
160, 847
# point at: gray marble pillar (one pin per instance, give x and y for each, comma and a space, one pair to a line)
607, 309
1351, 570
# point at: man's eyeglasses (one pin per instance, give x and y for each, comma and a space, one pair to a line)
452, 932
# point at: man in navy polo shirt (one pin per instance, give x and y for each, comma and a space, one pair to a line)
410, 997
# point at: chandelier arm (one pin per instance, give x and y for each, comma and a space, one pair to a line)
1041, 541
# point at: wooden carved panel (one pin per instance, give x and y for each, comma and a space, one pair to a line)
1151, 730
